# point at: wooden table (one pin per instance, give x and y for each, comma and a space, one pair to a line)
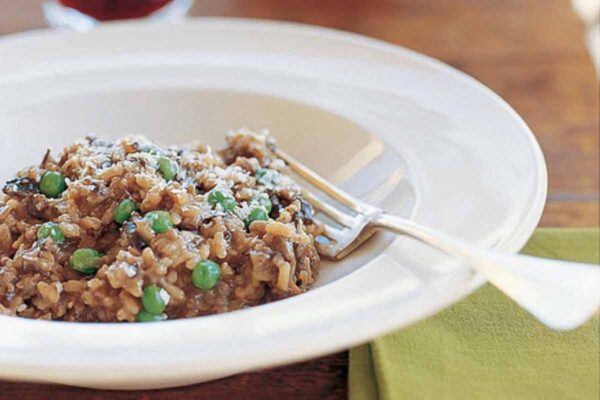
531, 52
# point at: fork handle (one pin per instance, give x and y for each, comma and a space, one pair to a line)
562, 295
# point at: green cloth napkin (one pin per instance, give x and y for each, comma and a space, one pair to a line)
486, 347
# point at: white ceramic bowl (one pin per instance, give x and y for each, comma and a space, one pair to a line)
394, 127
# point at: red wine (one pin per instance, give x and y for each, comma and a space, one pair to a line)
105, 10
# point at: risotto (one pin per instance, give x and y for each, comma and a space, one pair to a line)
127, 230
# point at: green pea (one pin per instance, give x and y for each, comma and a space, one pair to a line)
53, 184
206, 274
168, 168
226, 201
155, 299
51, 230
264, 201
85, 260
267, 177
160, 221
124, 210
145, 316
257, 214
261, 173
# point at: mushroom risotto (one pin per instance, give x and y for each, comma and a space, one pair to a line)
127, 230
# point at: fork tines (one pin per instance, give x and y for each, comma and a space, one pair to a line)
349, 214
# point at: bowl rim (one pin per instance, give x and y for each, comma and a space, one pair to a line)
511, 243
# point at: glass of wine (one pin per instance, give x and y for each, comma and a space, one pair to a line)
85, 14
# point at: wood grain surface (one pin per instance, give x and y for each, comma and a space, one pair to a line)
531, 52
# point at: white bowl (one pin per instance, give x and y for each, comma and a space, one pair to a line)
394, 127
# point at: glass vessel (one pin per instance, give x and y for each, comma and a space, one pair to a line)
82, 15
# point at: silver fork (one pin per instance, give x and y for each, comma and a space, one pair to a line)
562, 295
